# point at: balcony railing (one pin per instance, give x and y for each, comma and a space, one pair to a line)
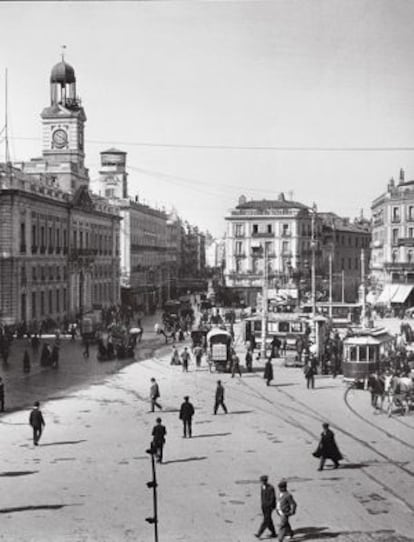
395, 219
240, 255
263, 234
286, 234
400, 266
406, 241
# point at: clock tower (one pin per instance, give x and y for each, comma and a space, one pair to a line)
63, 130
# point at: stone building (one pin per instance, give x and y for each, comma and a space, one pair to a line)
148, 261
278, 231
348, 244
59, 244
392, 255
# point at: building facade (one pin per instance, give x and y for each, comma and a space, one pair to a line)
279, 232
347, 243
148, 239
59, 244
392, 255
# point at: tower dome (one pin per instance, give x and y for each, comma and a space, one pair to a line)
62, 73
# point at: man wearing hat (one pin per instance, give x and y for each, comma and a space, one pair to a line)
327, 448
186, 415
286, 507
268, 499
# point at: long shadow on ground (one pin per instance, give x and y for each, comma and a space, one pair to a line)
185, 460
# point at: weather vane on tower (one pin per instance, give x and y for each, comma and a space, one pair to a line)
63, 47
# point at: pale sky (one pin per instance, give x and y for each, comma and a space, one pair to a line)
288, 73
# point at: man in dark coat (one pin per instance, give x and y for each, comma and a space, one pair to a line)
186, 415
154, 395
37, 422
268, 501
158, 433
1, 395
268, 371
309, 372
219, 397
327, 448
286, 507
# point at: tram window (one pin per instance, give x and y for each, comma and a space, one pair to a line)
362, 353
272, 327
371, 353
353, 353
284, 327
296, 327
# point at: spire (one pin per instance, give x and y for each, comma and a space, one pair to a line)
63, 47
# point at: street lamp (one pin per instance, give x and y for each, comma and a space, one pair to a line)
264, 306
153, 484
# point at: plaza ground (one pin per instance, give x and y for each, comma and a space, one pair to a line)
87, 479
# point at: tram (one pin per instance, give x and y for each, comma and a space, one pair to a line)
364, 350
343, 314
219, 348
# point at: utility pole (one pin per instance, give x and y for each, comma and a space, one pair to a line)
153, 484
313, 269
330, 284
364, 305
343, 285
264, 307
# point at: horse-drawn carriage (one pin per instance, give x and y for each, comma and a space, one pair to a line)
115, 344
219, 349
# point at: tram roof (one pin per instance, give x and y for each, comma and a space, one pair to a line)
373, 336
217, 331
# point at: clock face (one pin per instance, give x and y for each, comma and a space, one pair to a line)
60, 138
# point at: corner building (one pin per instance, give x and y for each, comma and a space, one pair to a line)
392, 253
59, 244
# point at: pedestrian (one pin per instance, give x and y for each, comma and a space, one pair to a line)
154, 395
309, 372
185, 356
55, 356
327, 448
235, 365
26, 362
158, 433
1, 395
186, 416
45, 356
285, 507
175, 357
219, 398
86, 348
198, 353
283, 346
73, 332
249, 361
37, 422
268, 502
268, 371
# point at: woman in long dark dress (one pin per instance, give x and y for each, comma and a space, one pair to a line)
327, 448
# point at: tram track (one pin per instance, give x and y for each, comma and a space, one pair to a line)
386, 487
278, 409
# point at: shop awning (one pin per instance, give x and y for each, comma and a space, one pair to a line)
395, 293
387, 294
401, 294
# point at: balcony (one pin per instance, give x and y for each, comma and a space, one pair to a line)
399, 266
42, 250
395, 219
239, 235
405, 242
262, 234
84, 255
34, 249
240, 255
410, 218
286, 234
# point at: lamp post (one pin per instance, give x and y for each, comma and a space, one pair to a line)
330, 285
153, 484
313, 268
264, 307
